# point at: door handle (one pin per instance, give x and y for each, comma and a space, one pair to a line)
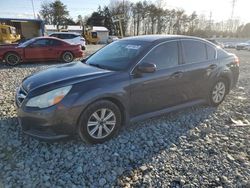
178, 74
213, 66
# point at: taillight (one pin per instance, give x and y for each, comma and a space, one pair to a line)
237, 61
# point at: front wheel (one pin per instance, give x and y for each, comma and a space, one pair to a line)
218, 92
12, 59
99, 122
67, 57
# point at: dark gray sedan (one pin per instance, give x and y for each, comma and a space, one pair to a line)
129, 80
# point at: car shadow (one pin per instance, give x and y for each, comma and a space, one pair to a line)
136, 145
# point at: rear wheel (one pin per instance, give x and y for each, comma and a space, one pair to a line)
218, 92
12, 59
99, 122
67, 57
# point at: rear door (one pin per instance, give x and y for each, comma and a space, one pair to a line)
155, 91
199, 62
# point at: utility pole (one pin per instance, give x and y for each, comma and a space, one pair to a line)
232, 15
33, 8
233, 7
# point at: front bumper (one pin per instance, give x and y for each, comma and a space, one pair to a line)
52, 123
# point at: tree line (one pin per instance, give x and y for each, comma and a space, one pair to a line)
145, 17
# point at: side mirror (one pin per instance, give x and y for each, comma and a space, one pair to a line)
85, 59
146, 68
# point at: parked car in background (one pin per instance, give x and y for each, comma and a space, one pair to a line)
112, 39
216, 43
126, 81
39, 49
229, 45
243, 45
71, 37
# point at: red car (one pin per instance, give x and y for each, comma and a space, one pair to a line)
40, 48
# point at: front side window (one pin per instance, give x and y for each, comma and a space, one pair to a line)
163, 56
41, 43
193, 51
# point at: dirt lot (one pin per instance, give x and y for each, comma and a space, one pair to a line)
195, 147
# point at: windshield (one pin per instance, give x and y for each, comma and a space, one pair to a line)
118, 55
26, 43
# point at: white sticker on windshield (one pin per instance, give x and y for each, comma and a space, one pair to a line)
133, 47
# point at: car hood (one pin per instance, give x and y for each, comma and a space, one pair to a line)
61, 75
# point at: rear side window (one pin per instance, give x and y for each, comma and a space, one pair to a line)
193, 51
211, 52
163, 56
55, 43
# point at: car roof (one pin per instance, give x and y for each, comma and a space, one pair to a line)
74, 33
55, 38
155, 38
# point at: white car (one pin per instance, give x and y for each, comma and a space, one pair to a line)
74, 38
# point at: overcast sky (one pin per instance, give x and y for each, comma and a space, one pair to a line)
220, 9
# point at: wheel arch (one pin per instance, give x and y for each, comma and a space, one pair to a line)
13, 52
117, 102
226, 76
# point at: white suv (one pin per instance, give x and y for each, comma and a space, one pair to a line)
71, 37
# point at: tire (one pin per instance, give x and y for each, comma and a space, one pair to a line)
67, 57
12, 59
94, 128
218, 92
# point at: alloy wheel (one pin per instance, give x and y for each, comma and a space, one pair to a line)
12, 59
219, 92
68, 57
101, 123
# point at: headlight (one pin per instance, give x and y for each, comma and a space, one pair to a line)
50, 98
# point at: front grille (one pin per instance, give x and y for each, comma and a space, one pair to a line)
21, 95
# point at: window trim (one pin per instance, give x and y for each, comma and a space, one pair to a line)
201, 41
159, 44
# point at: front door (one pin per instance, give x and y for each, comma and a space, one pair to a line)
39, 49
155, 91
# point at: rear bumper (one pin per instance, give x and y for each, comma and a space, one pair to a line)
79, 54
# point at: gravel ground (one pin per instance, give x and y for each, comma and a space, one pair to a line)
195, 147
